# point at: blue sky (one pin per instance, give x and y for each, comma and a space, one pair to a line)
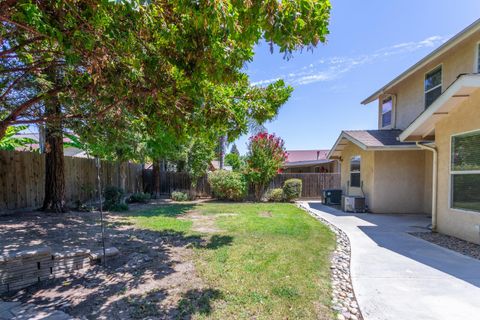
370, 43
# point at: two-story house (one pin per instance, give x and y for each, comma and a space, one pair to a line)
425, 155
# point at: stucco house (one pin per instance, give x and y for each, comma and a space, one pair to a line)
309, 161
425, 155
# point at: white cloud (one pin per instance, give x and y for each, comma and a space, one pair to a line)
328, 69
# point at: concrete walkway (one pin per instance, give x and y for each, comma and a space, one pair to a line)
398, 276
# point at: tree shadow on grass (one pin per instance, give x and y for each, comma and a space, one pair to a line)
196, 302
192, 303
218, 241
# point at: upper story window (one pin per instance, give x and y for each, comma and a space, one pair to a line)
478, 58
355, 171
433, 85
387, 106
465, 171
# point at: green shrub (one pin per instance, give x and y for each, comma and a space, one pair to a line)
292, 189
139, 197
179, 196
114, 199
228, 185
275, 195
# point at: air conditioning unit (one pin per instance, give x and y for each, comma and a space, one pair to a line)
353, 204
332, 196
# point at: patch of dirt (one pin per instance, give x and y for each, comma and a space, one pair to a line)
201, 223
265, 214
153, 277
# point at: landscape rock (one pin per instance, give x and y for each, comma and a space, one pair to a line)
344, 302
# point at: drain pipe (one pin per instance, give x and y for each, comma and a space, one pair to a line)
434, 182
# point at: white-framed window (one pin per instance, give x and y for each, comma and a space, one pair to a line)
433, 85
387, 109
355, 180
465, 171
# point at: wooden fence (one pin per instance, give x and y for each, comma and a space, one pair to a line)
171, 181
312, 183
22, 179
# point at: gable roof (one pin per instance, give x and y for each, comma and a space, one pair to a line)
462, 35
370, 140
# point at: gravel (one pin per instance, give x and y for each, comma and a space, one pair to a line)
461, 246
344, 302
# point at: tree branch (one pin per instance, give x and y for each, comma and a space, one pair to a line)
10, 87
22, 108
14, 49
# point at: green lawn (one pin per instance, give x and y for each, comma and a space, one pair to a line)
266, 261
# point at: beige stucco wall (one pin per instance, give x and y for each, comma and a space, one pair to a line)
393, 181
400, 184
409, 93
459, 223
366, 172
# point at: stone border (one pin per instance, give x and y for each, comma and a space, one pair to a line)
466, 248
344, 302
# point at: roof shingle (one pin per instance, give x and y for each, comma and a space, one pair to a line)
377, 138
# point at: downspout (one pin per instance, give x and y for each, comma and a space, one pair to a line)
434, 183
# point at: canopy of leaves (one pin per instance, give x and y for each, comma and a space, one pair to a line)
171, 61
11, 141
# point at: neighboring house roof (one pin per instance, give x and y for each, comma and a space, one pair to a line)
305, 158
370, 140
306, 155
462, 35
423, 127
215, 165
68, 151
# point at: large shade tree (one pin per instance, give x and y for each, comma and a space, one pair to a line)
62, 61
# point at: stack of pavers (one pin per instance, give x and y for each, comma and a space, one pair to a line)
67, 262
24, 268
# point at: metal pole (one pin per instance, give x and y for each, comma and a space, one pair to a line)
99, 184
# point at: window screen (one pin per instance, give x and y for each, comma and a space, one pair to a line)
465, 170
433, 86
466, 152
387, 105
355, 171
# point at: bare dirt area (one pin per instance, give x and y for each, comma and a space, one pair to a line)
153, 277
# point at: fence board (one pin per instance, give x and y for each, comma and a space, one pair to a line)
22, 179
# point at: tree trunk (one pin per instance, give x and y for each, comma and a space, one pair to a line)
259, 188
156, 179
54, 161
221, 152
122, 171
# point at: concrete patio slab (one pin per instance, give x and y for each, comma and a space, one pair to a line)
398, 276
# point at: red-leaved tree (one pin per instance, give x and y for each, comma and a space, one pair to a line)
266, 155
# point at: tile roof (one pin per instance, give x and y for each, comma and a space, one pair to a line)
377, 138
